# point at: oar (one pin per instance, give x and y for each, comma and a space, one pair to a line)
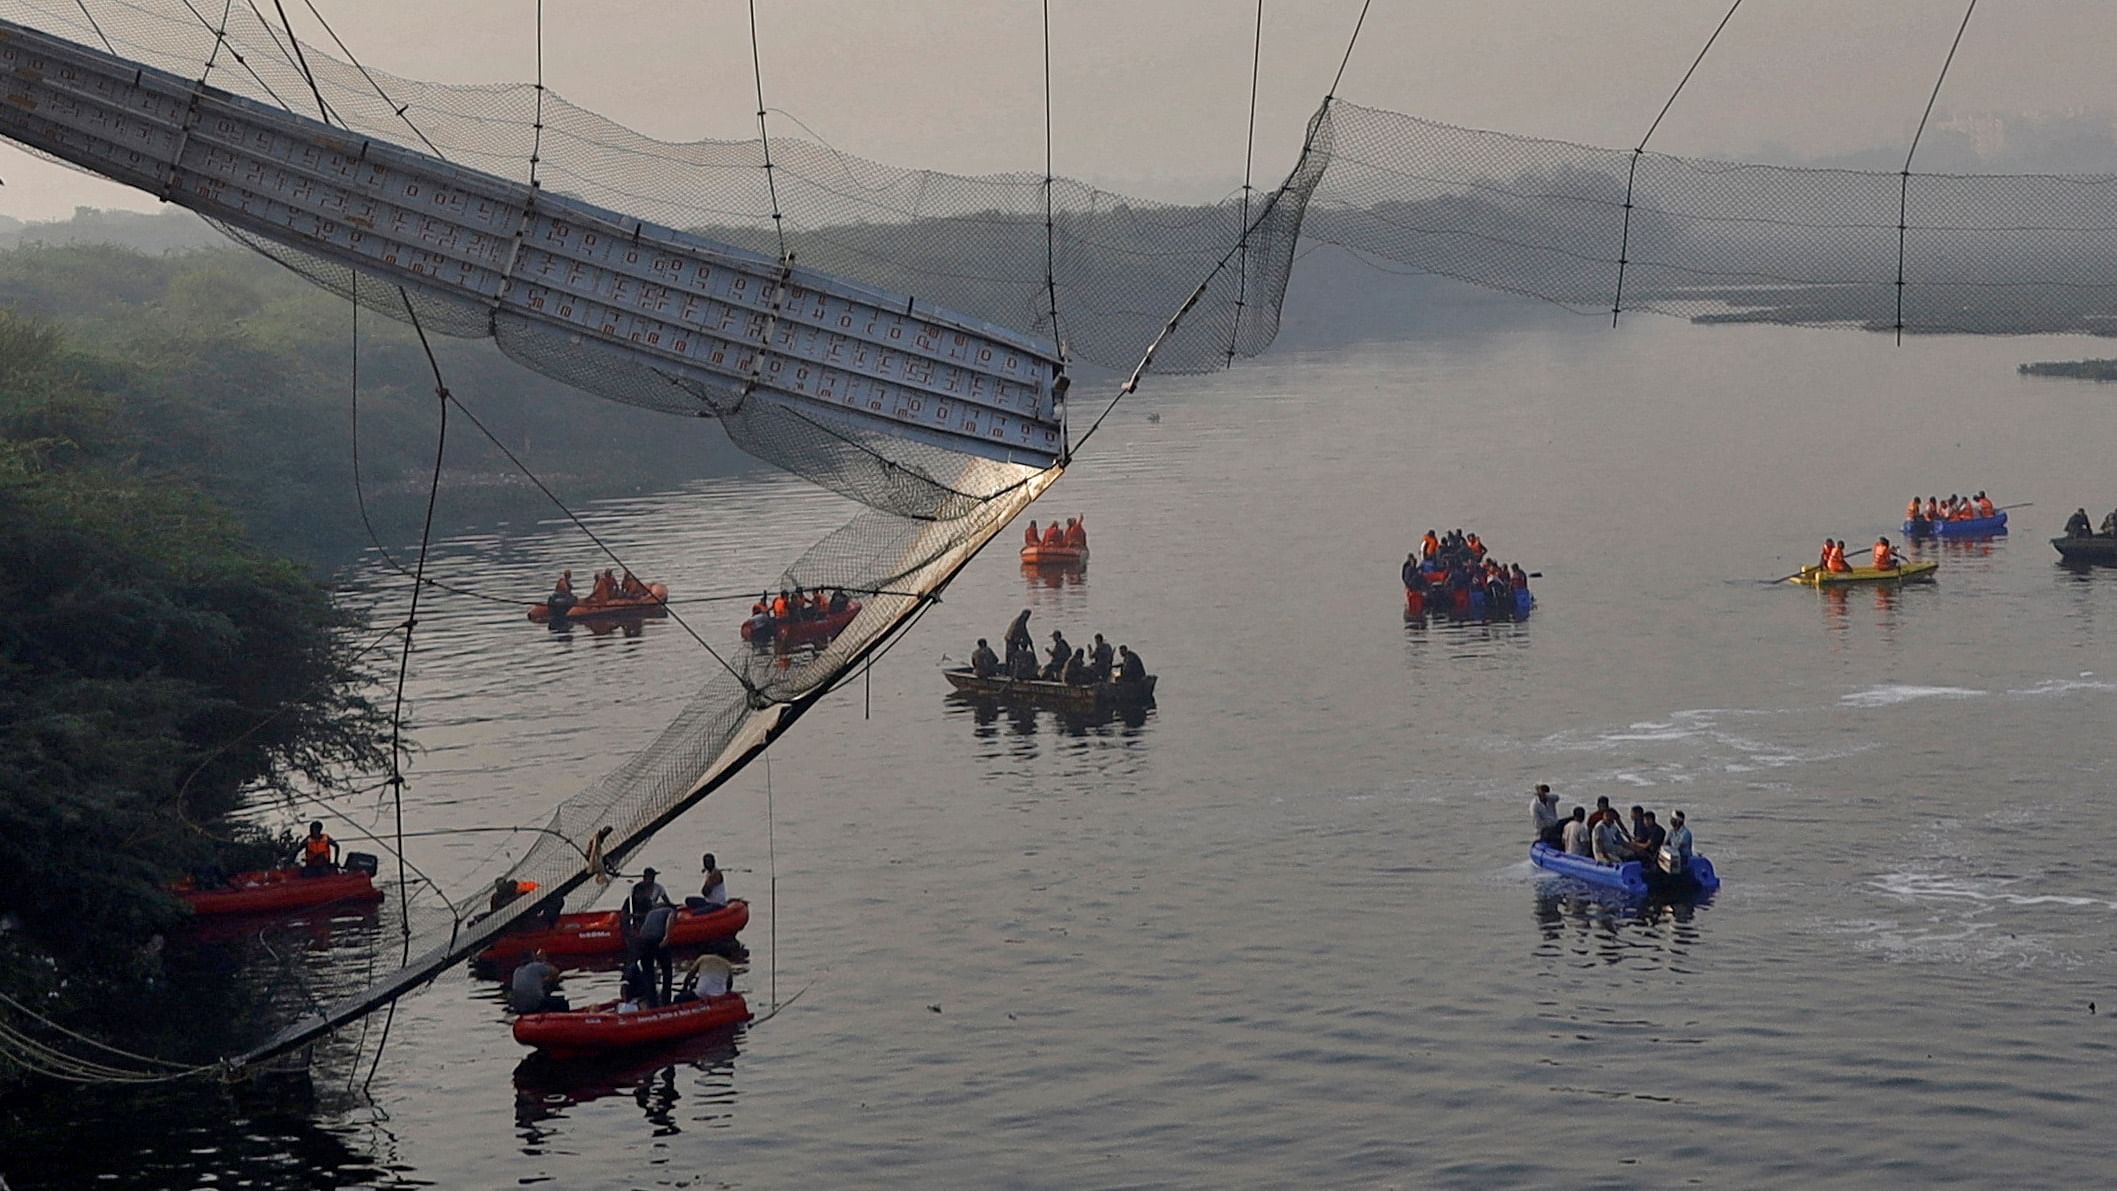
2027, 504
1804, 570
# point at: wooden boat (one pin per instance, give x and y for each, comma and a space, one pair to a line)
1909, 572
599, 932
277, 890
764, 627
654, 603
1052, 694
1967, 527
1054, 556
2098, 549
601, 1029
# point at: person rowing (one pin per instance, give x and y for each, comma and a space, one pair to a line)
1884, 556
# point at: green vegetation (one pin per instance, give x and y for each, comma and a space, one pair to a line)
156, 670
2096, 370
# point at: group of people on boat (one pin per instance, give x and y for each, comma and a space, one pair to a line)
1086, 665
1603, 836
1073, 536
800, 604
1833, 557
645, 918
1457, 561
2077, 525
608, 589
1955, 508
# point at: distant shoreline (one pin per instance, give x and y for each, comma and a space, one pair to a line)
2101, 371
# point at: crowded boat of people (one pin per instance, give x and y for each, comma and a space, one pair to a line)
800, 605
1603, 835
1072, 536
1093, 664
1924, 518
1448, 568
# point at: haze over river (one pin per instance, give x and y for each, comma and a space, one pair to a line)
1283, 931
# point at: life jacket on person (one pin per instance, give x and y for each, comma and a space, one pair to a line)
564, 586
1933, 508
1030, 537
316, 850
779, 606
1077, 534
1477, 548
1984, 506
1911, 511
1836, 559
1823, 559
1430, 546
758, 609
1884, 557
1054, 534
631, 586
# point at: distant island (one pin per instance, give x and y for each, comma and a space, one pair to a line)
2095, 370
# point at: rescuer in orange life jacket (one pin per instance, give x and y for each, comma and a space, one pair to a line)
318, 856
1077, 533
1430, 546
1054, 535
1884, 557
1030, 537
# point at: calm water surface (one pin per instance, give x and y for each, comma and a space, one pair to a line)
1281, 930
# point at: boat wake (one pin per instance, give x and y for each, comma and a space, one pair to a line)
1991, 890
1891, 694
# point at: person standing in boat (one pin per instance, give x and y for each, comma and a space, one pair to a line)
2078, 525
983, 661
1544, 807
650, 949
1017, 639
647, 893
318, 856
1101, 658
1676, 849
1131, 670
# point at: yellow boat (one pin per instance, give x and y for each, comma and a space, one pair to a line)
1910, 572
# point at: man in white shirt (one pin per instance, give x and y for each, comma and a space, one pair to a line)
707, 976
1610, 844
1576, 835
1676, 849
1544, 806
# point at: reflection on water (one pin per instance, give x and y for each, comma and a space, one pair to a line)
1589, 925
690, 1084
1053, 578
1024, 719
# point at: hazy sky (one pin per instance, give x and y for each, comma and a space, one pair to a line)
1151, 95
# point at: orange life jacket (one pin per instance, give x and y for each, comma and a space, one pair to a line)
1933, 509
1029, 536
779, 606
1055, 535
1477, 548
316, 849
1077, 536
1884, 557
1984, 506
1430, 547
1837, 561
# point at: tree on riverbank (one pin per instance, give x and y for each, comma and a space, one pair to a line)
156, 670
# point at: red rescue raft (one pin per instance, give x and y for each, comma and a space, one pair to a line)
654, 603
760, 629
598, 932
602, 1029
274, 890
1054, 556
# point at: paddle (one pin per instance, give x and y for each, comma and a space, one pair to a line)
2027, 504
1804, 570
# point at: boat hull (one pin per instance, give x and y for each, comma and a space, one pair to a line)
1910, 572
1053, 694
764, 629
601, 933
1055, 556
278, 890
1628, 878
654, 603
603, 1030
1971, 527
2097, 550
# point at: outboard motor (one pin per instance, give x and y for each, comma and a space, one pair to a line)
361, 862
560, 604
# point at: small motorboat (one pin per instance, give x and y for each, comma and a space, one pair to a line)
1053, 694
1630, 877
599, 933
1967, 527
2091, 549
1909, 572
764, 628
654, 603
1054, 556
601, 1029
277, 890
1469, 602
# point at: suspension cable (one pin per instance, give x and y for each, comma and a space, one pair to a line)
399, 108
1058, 341
764, 136
536, 144
1349, 44
302, 61
1624, 242
1249, 157
100, 35
1903, 200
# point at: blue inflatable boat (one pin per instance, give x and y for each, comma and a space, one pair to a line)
1481, 604
1975, 527
1628, 878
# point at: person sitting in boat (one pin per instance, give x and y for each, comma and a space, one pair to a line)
839, 601
782, 605
1676, 848
707, 976
1101, 658
1023, 666
1985, 507
1611, 844
1130, 669
1576, 834
763, 606
605, 588
2109, 525
631, 587
1543, 809
564, 587
713, 886
1602, 811
1519, 577
1912, 512
1834, 561
1076, 671
1030, 537
1054, 535
1060, 652
1077, 533
647, 894
1933, 508
534, 987
1647, 841
983, 661
318, 856
1884, 556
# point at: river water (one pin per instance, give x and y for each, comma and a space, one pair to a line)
1281, 930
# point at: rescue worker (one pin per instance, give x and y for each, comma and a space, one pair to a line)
319, 853
713, 889
1030, 537
1077, 533
564, 587
1054, 535
1430, 545
1823, 559
1476, 547
1911, 511
1933, 508
763, 604
1884, 557
1985, 507
983, 661
1075, 671
840, 601
1055, 668
605, 588
2078, 525
632, 587
1836, 562
782, 605
1100, 659
1520, 577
